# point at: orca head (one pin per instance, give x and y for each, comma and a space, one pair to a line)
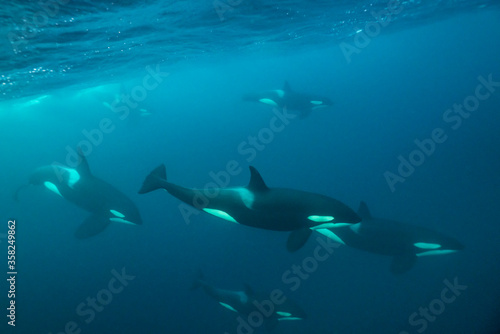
289, 311
437, 246
332, 213
127, 214
317, 102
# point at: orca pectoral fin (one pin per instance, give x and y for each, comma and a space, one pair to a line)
304, 113
270, 323
93, 225
16, 193
402, 263
297, 239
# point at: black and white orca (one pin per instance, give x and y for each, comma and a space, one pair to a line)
404, 243
291, 100
77, 185
273, 307
258, 206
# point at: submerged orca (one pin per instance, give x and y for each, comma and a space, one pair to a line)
120, 104
258, 206
405, 243
291, 100
77, 185
273, 308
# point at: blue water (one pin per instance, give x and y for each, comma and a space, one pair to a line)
58, 74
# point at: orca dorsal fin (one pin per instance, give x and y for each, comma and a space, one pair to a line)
83, 166
256, 182
363, 211
249, 290
198, 282
286, 87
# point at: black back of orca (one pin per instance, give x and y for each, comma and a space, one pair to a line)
260, 206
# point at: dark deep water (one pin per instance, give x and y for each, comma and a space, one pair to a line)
395, 89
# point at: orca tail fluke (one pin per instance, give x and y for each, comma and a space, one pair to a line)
155, 180
198, 282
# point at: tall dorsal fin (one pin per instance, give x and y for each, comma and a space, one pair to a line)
83, 166
198, 281
286, 87
256, 182
363, 211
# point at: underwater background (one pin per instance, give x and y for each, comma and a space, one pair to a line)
392, 69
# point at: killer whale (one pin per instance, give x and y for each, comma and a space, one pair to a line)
274, 306
403, 242
78, 186
259, 206
288, 98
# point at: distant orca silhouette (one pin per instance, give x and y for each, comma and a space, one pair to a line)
132, 111
291, 100
405, 243
258, 206
247, 301
77, 185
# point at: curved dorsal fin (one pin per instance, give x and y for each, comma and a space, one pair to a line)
83, 166
256, 182
286, 87
363, 211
